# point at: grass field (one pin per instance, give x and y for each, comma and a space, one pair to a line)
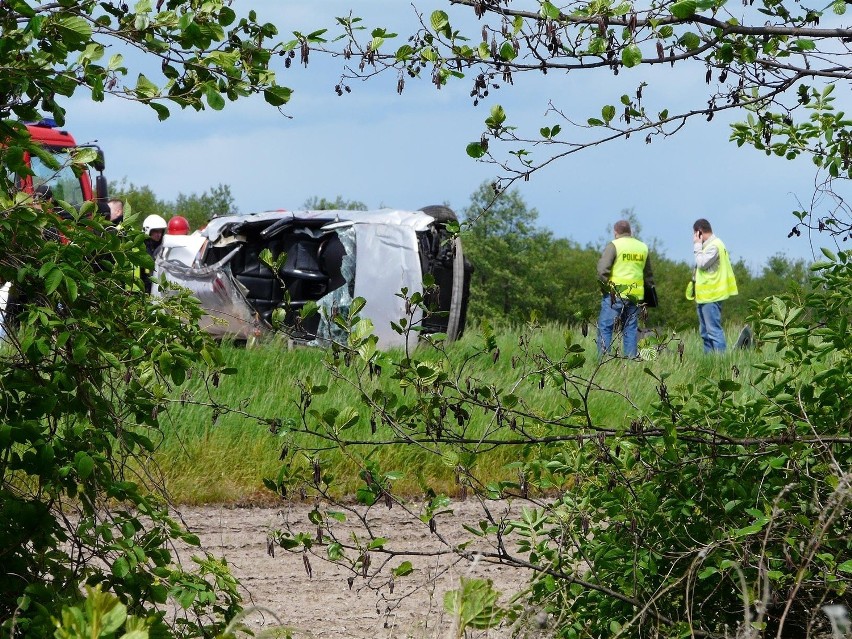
205, 460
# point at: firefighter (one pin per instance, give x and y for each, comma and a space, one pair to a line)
154, 227
178, 225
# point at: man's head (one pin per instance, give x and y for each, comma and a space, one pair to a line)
116, 209
154, 226
622, 227
703, 226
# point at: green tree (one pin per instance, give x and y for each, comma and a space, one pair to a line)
200, 209
91, 366
316, 203
508, 251
142, 200
197, 209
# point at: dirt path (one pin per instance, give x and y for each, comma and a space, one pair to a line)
323, 605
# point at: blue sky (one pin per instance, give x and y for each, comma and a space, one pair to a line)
408, 151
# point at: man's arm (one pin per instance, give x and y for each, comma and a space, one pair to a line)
706, 259
605, 262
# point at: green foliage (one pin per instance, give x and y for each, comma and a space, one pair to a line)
473, 605
197, 209
726, 499
87, 374
102, 616
208, 54
521, 270
337, 204
90, 363
200, 209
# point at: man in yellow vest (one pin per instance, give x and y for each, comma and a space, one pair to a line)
712, 283
623, 269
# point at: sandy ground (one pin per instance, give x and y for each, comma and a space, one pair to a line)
324, 603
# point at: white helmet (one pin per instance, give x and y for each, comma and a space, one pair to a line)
154, 223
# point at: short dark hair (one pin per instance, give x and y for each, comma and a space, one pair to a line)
702, 225
622, 227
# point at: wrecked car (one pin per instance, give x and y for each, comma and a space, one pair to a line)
321, 259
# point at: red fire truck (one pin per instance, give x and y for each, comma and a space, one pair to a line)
67, 184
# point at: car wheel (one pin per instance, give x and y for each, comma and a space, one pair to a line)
456, 300
441, 213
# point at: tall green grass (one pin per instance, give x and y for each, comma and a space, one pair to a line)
210, 455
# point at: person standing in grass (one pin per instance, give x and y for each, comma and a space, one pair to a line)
624, 269
712, 283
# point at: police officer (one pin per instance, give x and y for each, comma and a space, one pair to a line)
624, 269
712, 283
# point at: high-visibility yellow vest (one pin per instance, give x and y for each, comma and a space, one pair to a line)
628, 270
718, 284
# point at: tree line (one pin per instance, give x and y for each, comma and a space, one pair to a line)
198, 209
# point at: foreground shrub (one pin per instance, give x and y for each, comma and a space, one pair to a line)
722, 509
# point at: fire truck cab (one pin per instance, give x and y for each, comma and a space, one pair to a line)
68, 183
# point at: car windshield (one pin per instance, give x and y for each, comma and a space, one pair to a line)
64, 182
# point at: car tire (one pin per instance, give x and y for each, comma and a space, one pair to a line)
441, 213
454, 320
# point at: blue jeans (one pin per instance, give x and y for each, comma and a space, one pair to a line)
611, 310
710, 326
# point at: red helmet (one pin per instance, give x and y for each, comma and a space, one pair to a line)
178, 225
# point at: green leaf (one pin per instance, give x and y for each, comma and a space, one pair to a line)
684, 9
475, 150
277, 95
120, 568
22, 7
440, 20
214, 98
727, 385
406, 568
53, 280
404, 52
85, 465
549, 10
114, 614
690, 40
829, 254
74, 29
145, 88
497, 117
846, 566
161, 110
608, 113
507, 51
631, 56
804, 45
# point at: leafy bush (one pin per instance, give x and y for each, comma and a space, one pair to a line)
87, 372
721, 510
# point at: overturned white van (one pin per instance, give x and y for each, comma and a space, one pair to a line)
325, 257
